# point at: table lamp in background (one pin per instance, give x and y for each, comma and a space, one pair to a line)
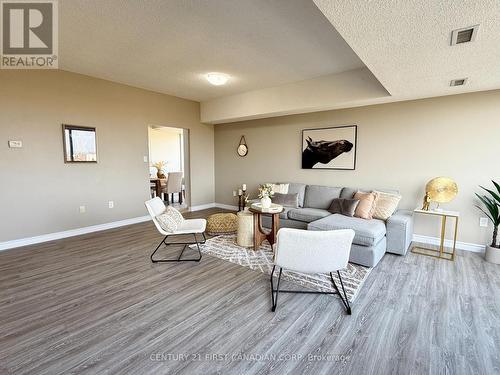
439, 190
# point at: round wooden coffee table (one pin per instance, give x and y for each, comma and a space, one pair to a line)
259, 234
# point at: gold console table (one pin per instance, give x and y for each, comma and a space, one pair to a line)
441, 253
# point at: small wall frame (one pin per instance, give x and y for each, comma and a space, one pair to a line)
80, 144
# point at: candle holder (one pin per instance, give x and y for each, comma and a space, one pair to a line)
242, 198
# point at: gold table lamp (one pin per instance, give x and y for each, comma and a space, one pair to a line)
439, 190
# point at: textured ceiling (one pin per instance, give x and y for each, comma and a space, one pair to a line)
406, 44
167, 45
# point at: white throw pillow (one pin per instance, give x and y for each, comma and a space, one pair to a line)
280, 188
385, 205
170, 219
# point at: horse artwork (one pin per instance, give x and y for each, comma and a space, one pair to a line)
329, 148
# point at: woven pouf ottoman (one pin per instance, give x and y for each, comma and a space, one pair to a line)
222, 224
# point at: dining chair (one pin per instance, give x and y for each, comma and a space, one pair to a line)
173, 185
193, 227
310, 252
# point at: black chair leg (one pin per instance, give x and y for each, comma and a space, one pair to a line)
197, 246
273, 298
344, 299
179, 258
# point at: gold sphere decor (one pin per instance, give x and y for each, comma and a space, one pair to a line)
439, 190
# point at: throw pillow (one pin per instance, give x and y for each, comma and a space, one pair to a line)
170, 219
386, 205
346, 207
366, 205
280, 188
288, 200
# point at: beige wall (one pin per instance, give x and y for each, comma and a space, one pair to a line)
400, 145
40, 194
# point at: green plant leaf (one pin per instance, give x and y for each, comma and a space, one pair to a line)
493, 194
486, 201
496, 185
493, 208
486, 213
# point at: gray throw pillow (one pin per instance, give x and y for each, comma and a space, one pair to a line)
343, 206
288, 200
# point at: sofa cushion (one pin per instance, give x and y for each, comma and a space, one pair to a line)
307, 214
386, 205
300, 189
284, 223
286, 200
366, 205
279, 188
343, 206
348, 192
368, 232
320, 196
284, 213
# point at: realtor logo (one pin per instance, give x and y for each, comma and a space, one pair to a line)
29, 34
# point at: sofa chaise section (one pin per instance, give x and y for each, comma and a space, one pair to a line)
369, 243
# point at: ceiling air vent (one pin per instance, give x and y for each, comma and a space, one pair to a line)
458, 82
465, 35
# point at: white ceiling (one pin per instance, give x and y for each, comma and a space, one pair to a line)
284, 56
406, 44
167, 45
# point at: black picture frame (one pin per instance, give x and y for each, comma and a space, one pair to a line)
322, 148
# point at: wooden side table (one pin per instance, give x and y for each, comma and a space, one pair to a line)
259, 235
441, 253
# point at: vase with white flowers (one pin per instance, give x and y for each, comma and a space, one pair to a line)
160, 167
265, 194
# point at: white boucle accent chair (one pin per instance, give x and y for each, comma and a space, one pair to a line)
312, 252
193, 227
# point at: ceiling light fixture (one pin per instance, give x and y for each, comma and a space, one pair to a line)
217, 79
458, 82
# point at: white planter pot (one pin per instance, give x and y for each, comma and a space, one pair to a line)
492, 255
265, 202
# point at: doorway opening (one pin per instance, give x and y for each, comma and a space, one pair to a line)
169, 165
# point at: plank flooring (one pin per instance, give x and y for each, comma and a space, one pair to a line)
94, 304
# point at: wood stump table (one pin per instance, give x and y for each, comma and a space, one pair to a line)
259, 234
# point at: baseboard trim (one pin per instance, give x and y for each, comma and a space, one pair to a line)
202, 207
476, 248
213, 205
70, 233
227, 206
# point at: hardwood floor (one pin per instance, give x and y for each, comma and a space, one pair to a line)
95, 304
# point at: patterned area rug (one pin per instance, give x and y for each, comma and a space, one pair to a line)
225, 247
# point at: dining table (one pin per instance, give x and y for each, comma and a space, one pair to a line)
158, 184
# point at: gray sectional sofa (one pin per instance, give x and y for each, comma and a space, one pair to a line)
373, 237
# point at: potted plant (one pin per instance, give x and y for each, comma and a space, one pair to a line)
491, 203
265, 194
